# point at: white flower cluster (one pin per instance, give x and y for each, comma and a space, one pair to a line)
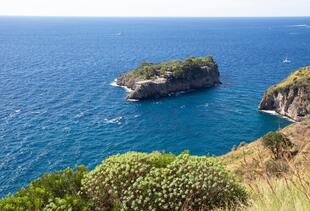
57, 204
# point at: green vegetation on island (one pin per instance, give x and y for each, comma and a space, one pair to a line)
159, 80
189, 68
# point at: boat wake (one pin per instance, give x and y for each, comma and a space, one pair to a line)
300, 26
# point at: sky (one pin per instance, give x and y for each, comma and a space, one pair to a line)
155, 8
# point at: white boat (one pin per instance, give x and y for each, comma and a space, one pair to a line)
286, 60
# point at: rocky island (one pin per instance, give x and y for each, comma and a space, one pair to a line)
291, 97
159, 80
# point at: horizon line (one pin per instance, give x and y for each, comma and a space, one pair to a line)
85, 16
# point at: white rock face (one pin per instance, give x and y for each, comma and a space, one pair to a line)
293, 103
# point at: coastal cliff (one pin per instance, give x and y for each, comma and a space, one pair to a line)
291, 97
160, 80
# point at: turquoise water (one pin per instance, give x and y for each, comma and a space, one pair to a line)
58, 109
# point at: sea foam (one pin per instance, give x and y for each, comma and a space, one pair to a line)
277, 114
124, 87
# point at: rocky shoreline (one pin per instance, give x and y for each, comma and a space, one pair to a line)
163, 79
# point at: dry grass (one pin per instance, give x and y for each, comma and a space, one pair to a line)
254, 155
288, 190
285, 194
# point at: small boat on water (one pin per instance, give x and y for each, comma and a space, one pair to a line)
286, 60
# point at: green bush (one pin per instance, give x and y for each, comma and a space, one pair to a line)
188, 183
278, 144
54, 191
133, 181
139, 181
106, 184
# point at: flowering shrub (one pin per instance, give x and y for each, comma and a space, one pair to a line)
133, 181
139, 181
188, 183
106, 184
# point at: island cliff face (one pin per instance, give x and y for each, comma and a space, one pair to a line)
160, 80
291, 97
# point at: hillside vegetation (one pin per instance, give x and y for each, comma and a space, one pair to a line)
272, 174
299, 78
134, 181
280, 194
55, 191
250, 161
275, 183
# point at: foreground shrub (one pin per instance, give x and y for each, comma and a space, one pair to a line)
139, 181
188, 183
278, 144
106, 184
54, 191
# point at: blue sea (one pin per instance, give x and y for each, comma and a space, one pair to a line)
58, 107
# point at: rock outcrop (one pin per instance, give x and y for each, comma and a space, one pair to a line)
163, 79
291, 97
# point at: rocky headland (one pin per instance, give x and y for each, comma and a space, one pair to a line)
291, 97
160, 80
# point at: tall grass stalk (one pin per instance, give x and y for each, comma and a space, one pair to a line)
286, 195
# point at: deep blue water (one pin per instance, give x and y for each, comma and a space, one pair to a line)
58, 109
